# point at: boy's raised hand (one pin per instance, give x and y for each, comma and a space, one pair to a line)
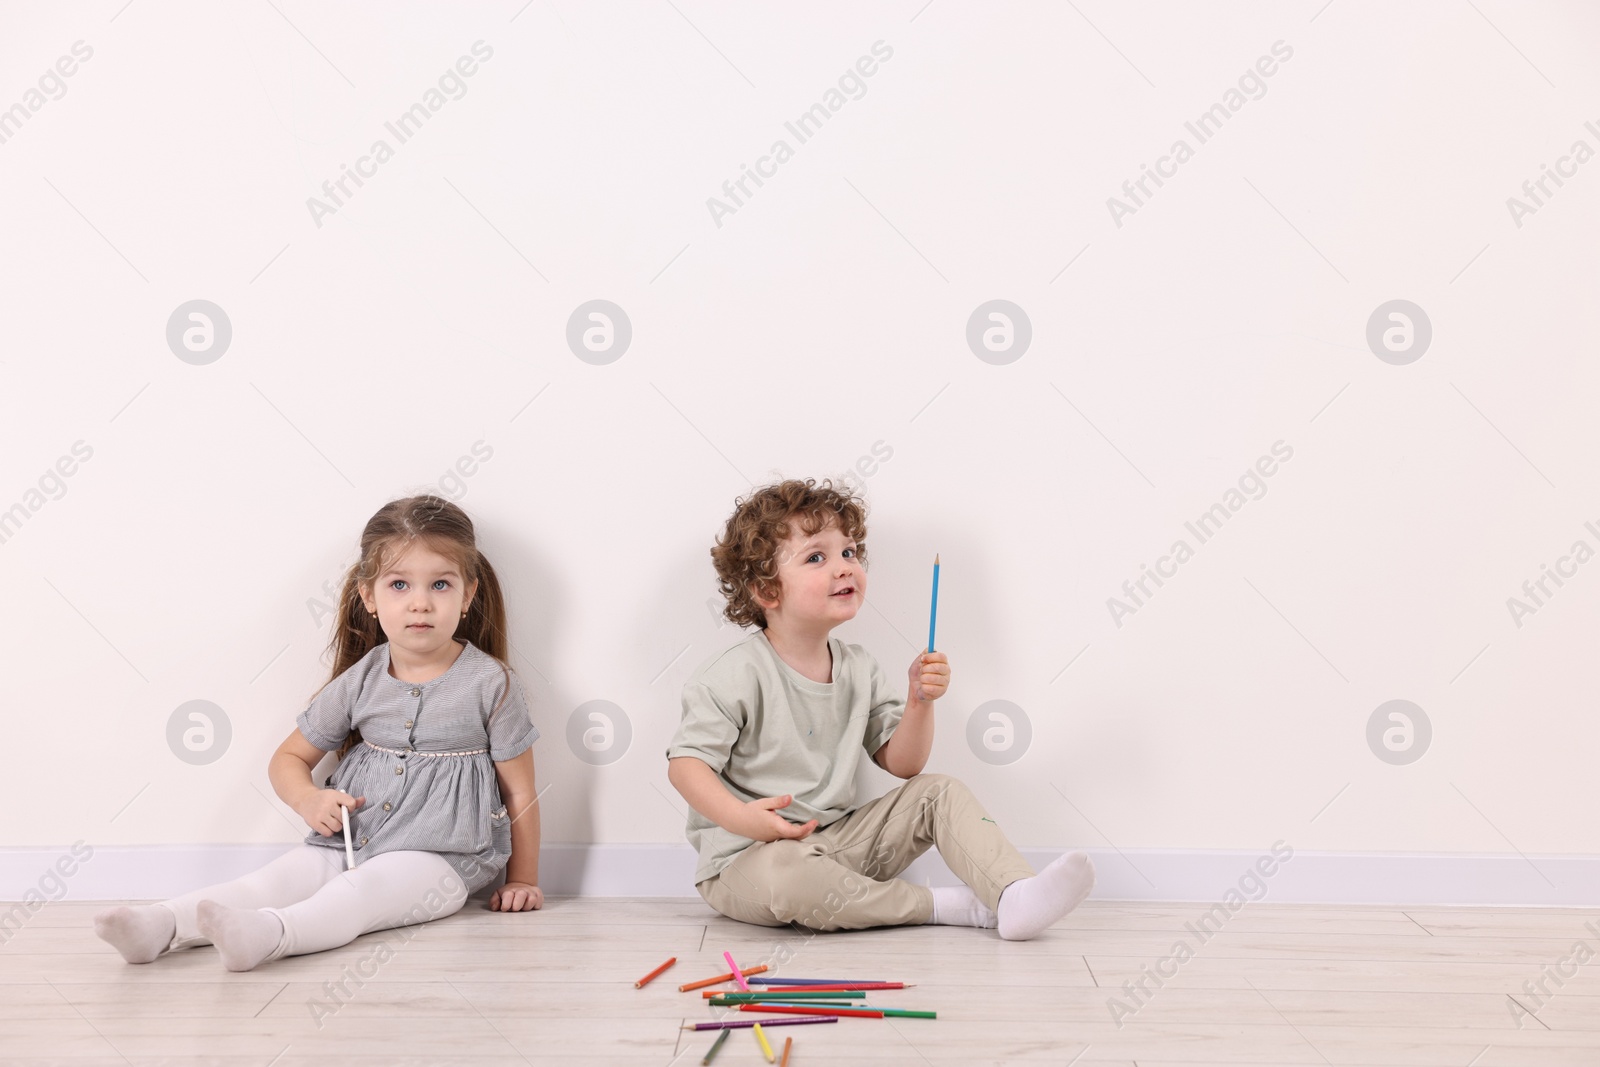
320, 810
930, 675
765, 824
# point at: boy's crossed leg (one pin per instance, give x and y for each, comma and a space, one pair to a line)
844, 877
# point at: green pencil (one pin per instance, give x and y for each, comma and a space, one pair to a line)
716, 1045
900, 1013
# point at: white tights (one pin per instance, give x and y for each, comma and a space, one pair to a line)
322, 905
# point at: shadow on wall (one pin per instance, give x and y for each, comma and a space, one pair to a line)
532, 587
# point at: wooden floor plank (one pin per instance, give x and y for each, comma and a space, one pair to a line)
1270, 985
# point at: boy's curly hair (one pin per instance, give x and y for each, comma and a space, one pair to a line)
746, 555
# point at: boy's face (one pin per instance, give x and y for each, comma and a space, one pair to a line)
822, 582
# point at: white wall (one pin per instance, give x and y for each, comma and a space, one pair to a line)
823, 318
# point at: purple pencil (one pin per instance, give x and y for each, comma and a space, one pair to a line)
740, 1024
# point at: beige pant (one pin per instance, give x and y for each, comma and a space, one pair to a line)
843, 877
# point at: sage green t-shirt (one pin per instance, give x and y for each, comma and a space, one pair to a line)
768, 730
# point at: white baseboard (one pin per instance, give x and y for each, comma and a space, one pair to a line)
153, 872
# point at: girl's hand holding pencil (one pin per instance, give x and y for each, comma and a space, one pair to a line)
320, 810
930, 676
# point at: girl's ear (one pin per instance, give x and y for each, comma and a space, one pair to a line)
365, 592
472, 591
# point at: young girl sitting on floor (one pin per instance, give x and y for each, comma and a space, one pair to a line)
435, 766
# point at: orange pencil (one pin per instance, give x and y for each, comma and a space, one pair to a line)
719, 978
641, 982
788, 1043
778, 1009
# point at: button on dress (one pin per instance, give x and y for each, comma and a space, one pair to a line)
426, 759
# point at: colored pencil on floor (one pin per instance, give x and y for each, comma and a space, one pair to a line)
821, 1002
640, 984
766, 1047
690, 986
788, 1043
811, 981
738, 975
896, 1013
812, 1006
784, 1009
865, 1011
743, 1024
716, 1046
820, 1005
835, 988
807, 994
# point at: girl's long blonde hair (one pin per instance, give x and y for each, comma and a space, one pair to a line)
444, 528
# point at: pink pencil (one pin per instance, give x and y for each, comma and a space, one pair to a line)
738, 975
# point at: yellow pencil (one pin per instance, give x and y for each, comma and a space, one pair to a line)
766, 1049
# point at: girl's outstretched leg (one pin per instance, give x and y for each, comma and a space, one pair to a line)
387, 891
141, 932
144, 931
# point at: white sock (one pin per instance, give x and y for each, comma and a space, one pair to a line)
140, 933
1029, 906
960, 906
243, 936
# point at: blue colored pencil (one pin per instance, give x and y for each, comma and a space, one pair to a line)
933, 612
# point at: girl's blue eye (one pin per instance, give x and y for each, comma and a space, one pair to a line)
445, 582
814, 555
397, 583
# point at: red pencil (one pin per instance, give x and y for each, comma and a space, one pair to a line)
780, 1010
719, 978
641, 982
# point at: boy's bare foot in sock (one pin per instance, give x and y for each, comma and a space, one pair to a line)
140, 933
960, 906
1030, 905
243, 936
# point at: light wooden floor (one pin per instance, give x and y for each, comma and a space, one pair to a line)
1281, 984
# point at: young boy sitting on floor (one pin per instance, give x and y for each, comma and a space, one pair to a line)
774, 728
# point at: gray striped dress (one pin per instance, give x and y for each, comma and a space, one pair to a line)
426, 758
